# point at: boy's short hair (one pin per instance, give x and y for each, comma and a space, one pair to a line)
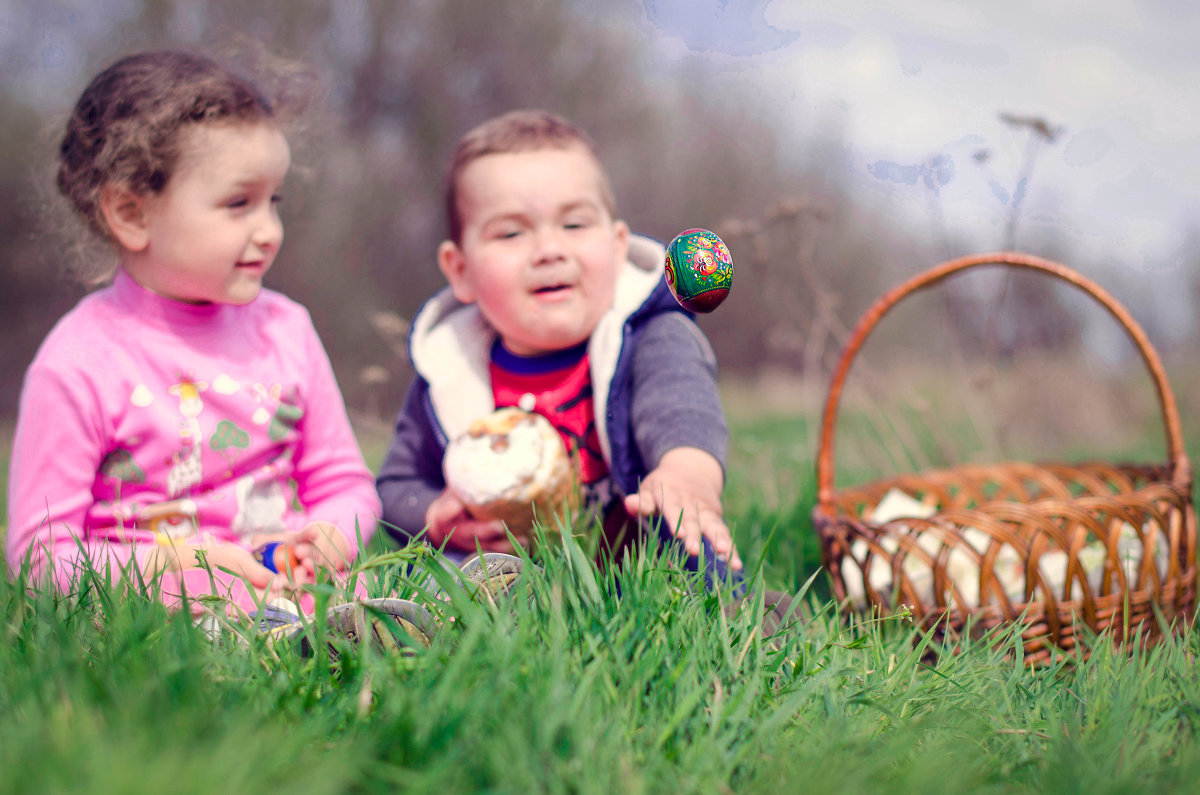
516, 131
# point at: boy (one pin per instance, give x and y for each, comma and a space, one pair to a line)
550, 295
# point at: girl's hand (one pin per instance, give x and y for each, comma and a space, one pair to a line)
217, 557
284, 557
320, 546
447, 520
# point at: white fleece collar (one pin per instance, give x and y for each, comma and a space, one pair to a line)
450, 345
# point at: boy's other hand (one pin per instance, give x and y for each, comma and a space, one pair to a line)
447, 520
685, 490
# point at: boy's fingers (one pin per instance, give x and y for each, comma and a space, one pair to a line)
497, 545
689, 533
708, 523
490, 530
718, 534
714, 529
488, 534
684, 524
646, 501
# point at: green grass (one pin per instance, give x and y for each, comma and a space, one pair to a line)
588, 681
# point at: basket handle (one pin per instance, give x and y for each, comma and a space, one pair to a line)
1181, 470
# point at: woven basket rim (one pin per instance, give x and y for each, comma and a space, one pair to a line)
1180, 472
1103, 488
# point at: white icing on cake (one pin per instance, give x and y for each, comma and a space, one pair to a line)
510, 457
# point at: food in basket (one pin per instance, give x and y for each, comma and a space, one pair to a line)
511, 465
962, 563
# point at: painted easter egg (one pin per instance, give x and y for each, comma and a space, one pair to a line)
699, 270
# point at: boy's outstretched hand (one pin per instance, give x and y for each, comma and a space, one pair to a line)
685, 490
447, 520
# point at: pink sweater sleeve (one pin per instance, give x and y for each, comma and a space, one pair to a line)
57, 451
107, 432
332, 482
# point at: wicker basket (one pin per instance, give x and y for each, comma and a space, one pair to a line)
1059, 546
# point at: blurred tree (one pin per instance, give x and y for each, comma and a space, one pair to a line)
36, 291
405, 78
1017, 311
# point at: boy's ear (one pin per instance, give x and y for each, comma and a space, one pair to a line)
125, 214
454, 268
621, 232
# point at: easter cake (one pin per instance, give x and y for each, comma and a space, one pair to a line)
511, 465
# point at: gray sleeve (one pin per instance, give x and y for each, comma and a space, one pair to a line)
411, 475
675, 402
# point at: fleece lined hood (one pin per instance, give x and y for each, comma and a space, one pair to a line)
450, 344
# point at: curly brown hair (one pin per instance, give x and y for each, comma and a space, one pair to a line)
516, 131
126, 126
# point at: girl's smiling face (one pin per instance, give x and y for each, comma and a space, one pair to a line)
540, 251
213, 231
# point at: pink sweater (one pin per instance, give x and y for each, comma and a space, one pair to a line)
143, 419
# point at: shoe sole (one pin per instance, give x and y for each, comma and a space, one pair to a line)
494, 572
390, 625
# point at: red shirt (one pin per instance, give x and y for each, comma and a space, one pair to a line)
561, 385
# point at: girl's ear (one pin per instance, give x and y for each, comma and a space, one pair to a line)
454, 268
125, 214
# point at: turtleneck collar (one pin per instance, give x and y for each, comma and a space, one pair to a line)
166, 313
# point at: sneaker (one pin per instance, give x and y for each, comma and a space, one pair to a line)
390, 625
494, 573
276, 613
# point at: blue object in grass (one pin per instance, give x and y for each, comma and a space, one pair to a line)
266, 555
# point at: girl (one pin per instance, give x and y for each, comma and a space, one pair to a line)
167, 417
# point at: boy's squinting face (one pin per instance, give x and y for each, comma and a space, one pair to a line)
540, 251
213, 232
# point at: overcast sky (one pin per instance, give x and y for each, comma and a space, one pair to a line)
909, 81
919, 81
